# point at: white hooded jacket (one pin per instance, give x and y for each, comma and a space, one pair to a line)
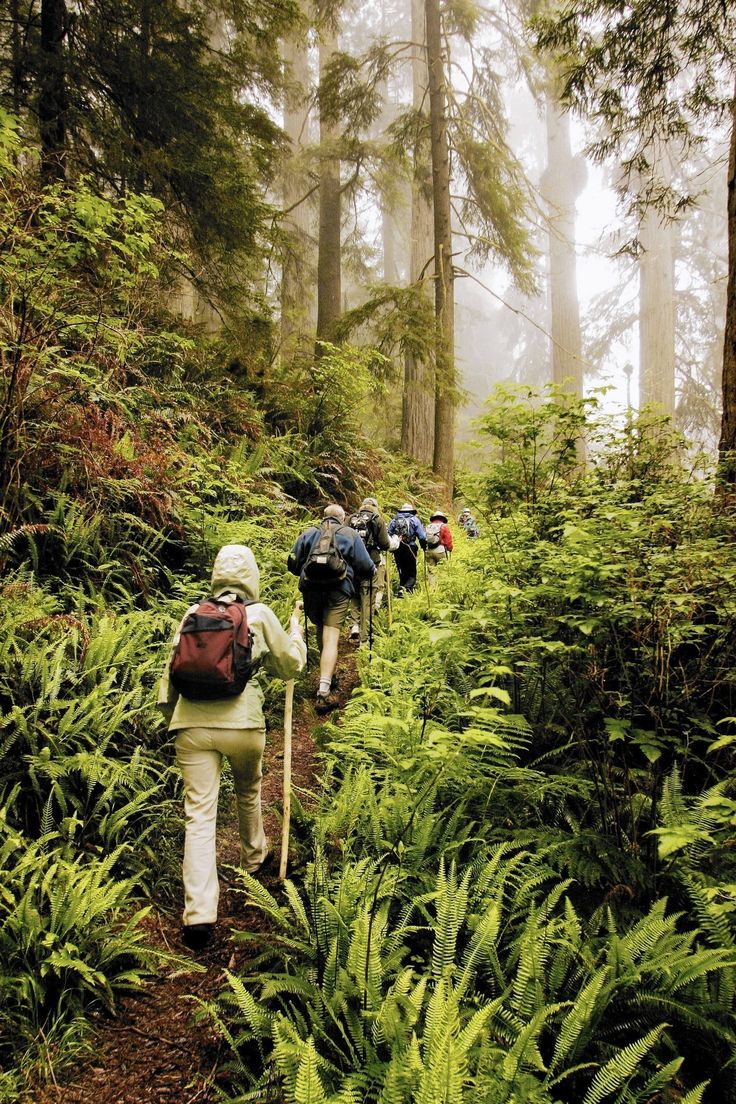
235, 572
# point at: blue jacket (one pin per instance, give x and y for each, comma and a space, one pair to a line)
359, 564
416, 529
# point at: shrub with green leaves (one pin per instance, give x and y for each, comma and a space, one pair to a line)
517, 729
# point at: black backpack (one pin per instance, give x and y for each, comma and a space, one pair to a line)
325, 565
364, 524
402, 528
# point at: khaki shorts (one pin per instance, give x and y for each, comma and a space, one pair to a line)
330, 608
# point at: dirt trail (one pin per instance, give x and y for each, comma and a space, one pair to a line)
152, 1052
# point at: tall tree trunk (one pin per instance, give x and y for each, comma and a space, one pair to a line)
53, 103
417, 415
561, 185
727, 443
657, 305
386, 195
445, 400
328, 259
296, 284
16, 63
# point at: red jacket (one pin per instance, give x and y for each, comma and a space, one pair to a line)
445, 536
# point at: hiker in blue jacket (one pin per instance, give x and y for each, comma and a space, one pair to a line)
329, 586
409, 529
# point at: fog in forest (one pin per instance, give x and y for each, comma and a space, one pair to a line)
639, 291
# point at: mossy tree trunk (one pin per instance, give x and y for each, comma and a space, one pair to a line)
445, 391
417, 420
329, 286
297, 272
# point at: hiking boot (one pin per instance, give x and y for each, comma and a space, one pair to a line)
354, 637
266, 867
323, 703
197, 936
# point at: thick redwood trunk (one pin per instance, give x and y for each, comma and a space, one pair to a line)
444, 417
296, 278
727, 443
417, 415
52, 98
329, 291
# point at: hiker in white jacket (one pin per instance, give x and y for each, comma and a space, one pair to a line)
233, 727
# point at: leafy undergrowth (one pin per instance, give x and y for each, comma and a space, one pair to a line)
152, 1047
521, 882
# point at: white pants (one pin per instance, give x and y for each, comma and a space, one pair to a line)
199, 752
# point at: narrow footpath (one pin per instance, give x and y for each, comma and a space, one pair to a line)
152, 1051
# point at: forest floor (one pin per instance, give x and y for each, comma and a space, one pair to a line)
153, 1050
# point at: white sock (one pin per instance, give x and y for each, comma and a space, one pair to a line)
324, 686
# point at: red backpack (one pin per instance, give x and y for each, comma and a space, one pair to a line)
213, 658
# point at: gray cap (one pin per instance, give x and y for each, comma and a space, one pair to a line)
407, 508
370, 502
334, 511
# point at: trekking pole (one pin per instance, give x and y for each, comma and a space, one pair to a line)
306, 640
288, 712
388, 590
370, 618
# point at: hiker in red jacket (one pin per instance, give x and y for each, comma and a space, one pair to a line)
439, 543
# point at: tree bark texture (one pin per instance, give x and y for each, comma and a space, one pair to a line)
727, 443
657, 313
417, 415
561, 186
52, 97
296, 279
444, 411
328, 259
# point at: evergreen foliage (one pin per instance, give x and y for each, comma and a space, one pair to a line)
172, 101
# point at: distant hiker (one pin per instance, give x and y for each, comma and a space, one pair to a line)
409, 529
331, 562
371, 528
217, 711
439, 542
468, 523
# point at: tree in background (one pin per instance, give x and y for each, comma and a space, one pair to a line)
329, 255
562, 182
444, 297
417, 420
657, 73
136, 97
656, 264
296, 276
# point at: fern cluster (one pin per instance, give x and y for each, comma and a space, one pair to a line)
521, 885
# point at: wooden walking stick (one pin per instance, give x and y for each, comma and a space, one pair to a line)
288, 712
